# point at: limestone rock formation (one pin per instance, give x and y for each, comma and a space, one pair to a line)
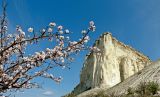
112, 65
149, 74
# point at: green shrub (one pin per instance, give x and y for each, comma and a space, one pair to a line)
152, 87
142, 88
147, 88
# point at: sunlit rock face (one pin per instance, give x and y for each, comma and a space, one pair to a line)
112, 65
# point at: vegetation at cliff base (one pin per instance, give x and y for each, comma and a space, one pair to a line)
144, 89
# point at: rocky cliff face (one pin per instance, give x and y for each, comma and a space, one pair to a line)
149, 74
112, 65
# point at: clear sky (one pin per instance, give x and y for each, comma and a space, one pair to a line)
134, 22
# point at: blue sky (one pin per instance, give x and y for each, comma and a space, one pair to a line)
134, 22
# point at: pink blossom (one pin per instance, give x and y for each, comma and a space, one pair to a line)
60, 27
91, 23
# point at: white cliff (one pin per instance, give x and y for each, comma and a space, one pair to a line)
150, 73
112, 65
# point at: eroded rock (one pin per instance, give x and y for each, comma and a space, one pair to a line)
112, 65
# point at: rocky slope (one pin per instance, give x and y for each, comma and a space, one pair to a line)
115, 63
148, 74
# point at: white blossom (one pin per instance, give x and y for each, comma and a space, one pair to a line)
5, 82
59, 53
60, 32
9, 35
19, 29
43, 55
30, 29
3, 75
86, 39
10, 87
92, 26
52, 24
5, 28
67, 31
61, 37
67, 37
16, 71
22, 33
43, 30
23, 70
40, 56
20, 68
1, 67
28, 65
83, 31
62, 59
10, 78
48, 50
50, 30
